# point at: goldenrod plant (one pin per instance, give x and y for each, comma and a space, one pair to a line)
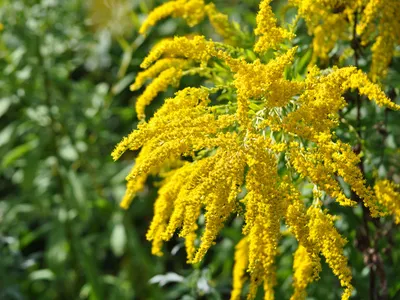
246, 141
369, 24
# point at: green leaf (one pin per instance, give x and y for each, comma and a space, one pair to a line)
304, 61
118, 240
44, 274
17, 153
4, 105
6, 134
77, 188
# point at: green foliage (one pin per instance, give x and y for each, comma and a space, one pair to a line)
63, 102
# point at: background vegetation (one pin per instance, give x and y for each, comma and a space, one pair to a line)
64, 104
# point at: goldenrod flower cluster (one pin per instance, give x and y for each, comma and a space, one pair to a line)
193, 12
221, 158
270, 35
388, 198
372, 22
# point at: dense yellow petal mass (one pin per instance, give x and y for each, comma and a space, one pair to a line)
191, 10
246, 140
164, 205
320, 20
270, 35
304, 268
197, 48
166, 78
153, 71
239, 270
330, 242
322, 99
265, 208
223, 184
253, 80
388, 198
132, 187
374, 22
388, 36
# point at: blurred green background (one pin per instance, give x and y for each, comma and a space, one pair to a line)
64, 103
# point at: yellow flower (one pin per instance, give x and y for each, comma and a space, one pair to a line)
239, 270
270, 35
388, 36
304, 266
191, 10
164, 204
330, 242
220, 23
233, 145
388, 197
264, 212
375, 22
253, 81
153, 71
132, 187
322, 99
167, 77
197, 49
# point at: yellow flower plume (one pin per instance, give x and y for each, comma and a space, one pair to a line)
233, 145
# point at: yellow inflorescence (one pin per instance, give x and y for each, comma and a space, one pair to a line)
163, 206
270, 35
197, 49
220, 23
153, 71
320, 20
253, 81
240, 268
374, 22
328, 240
304, 267
388, 30
191, 10
166, 78
388, 197
220, 157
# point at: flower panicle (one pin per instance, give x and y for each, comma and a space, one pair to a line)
232, 146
